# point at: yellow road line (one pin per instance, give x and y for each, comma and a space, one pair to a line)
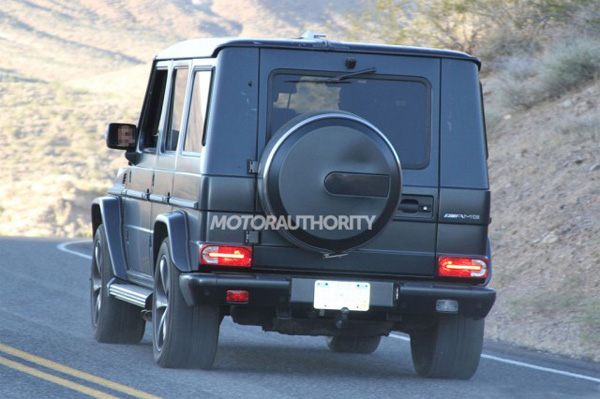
76, 373
57, 380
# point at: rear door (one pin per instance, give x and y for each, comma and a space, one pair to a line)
187, 181
400, 97
162, 187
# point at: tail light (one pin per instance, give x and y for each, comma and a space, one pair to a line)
226, 255
450, 266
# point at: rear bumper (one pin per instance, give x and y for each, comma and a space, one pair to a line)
399, 297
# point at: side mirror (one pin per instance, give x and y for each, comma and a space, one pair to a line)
121, 136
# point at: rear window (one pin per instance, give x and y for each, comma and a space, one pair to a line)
398, 107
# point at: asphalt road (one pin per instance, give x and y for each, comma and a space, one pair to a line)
47, 350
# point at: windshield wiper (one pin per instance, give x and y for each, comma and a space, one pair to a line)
335, 79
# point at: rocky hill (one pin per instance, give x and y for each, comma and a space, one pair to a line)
545, 176
70, 67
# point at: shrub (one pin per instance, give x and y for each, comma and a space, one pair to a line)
493, 122
517, 95
502, 45
500, 26
581, 127
517, 81
519, 67
591, 322
526, 80
568, 66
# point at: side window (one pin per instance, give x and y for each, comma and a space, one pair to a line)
149, 128
180, 78
197, 114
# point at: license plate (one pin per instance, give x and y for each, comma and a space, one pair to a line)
337, 295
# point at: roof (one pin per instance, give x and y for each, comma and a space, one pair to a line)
207, 48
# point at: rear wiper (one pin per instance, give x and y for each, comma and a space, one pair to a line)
335, 79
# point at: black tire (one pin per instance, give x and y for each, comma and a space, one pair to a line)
450, 349
183, 336
364, 345
113, 321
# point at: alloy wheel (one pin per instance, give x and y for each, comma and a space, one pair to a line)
96, 282
161, 303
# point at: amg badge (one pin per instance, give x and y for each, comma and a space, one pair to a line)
461, 216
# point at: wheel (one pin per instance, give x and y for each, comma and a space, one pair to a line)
450, 349
363, 345
113, 321
183, 336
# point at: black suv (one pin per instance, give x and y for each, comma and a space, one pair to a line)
306, 186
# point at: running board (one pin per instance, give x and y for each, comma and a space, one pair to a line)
129, 293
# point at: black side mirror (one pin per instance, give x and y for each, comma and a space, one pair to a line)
121, 136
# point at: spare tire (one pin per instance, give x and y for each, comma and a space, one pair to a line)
330, 164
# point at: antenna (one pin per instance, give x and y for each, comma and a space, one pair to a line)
310, 35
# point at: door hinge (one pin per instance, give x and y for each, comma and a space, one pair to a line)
253, 167
252, 237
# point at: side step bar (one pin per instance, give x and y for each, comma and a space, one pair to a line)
129, 293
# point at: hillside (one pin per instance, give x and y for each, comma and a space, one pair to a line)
69, 67
545, 177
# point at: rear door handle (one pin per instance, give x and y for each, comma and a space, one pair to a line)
413, 206
409, 207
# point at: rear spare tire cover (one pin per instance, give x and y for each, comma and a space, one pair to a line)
334, 176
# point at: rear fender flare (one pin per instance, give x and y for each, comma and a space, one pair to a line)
173, 226
107, 211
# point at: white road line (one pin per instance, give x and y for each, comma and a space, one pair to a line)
400, 337
540, 368
521, 364
64, 245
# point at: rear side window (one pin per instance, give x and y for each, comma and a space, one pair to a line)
400, 108
197, 114
180, 78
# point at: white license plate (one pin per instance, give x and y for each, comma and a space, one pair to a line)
342, 294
